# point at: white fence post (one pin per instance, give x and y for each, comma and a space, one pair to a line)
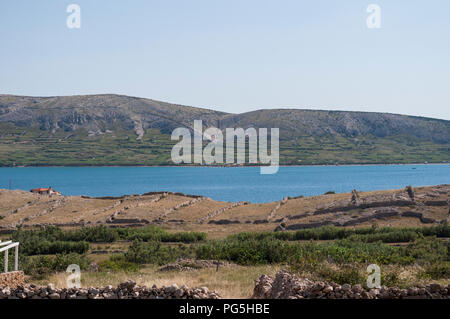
16, 258
6, 260
4, 247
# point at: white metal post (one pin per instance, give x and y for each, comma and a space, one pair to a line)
6, 260
4, 247
16, 258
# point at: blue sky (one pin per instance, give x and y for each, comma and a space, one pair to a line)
234, 56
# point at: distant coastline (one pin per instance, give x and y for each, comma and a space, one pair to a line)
231, 166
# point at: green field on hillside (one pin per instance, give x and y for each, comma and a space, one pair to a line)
35, 147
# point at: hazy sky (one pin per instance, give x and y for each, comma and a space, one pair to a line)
234, 55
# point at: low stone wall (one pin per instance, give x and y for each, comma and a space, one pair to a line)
374, 204
288, 286
12, 279
127, 290
224, 222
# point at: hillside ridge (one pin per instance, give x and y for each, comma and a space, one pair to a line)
122, 123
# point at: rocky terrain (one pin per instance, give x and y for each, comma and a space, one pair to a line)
288, 286
405, 207
122, 130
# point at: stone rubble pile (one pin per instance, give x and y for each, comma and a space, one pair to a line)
12, 279
288, 286
127, 290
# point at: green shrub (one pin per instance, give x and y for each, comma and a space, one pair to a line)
390, 279
247, 252
437, 271
118, 263
366, 234
98, 234
427, 251
388, 237
51, 248
154, 233
155, 253
266, 250
40, 266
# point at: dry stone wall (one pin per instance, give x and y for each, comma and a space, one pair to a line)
12, 279
288, 286
127, 290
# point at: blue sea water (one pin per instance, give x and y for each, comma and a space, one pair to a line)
224, 183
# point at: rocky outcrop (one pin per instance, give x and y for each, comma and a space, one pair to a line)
355, 198
288, 286
410, 192
127, 290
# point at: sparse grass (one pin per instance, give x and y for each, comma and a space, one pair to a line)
230, 282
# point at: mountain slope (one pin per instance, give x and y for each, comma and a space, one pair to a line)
122, 130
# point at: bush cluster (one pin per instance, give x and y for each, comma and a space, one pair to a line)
155, 253
41, 266
366, 234
97, 234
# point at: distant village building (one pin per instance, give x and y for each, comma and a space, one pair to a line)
45, 191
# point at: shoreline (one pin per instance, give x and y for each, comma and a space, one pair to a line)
204, 196
228, 166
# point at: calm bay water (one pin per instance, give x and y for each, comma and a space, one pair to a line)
224, 183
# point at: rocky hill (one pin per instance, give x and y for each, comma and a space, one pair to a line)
123, 130
418, 207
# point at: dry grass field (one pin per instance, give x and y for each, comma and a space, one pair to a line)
230, 282
178, 212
